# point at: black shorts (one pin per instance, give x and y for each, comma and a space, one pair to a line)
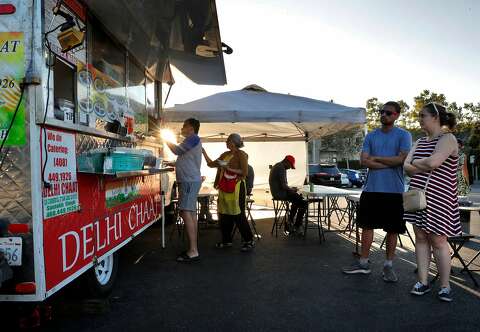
381, 210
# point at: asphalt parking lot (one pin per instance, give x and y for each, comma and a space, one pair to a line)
287, 284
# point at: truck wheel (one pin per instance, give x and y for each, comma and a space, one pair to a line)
101, 278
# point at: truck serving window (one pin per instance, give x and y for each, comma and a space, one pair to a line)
64, 92
137, 97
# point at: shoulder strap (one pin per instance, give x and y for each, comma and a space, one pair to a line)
428, 180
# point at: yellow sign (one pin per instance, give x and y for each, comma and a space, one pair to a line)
12, 71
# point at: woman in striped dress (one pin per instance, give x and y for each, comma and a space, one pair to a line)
432, 165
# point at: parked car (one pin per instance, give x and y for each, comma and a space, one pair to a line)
324, 174
345, 181
356, 177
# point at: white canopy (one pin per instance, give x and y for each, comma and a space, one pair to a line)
258, 115
261, 116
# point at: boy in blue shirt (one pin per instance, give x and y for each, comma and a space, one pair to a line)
381, 205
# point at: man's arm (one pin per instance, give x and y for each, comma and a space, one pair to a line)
394, 161
281, 175
391, 161
189, 143
365, 160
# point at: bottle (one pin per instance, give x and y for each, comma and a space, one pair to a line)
312, 188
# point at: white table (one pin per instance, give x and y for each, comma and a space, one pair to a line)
352, 205
327, 198
206, 193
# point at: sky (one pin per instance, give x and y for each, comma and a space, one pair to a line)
348, 50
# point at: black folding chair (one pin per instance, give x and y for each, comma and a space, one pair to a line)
399, 239
250, 220
281, 209
457, 243
316, 214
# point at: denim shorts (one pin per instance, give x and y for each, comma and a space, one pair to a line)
187, 195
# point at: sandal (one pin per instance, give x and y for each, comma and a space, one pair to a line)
221, 245
184, 258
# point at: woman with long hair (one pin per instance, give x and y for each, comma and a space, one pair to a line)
232, 170
432, 165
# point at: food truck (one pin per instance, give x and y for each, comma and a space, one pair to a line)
81, 91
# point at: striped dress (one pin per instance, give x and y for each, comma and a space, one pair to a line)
441, 216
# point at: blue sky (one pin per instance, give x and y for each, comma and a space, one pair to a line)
349, 50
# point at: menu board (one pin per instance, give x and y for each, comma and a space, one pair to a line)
101, 99
60, 196
12, 71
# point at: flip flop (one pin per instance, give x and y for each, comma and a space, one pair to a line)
184, 258
221, 245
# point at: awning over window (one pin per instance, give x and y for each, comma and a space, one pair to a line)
185, 32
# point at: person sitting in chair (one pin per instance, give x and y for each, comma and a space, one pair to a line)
280, 190
249, 180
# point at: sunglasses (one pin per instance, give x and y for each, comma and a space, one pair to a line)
387, 113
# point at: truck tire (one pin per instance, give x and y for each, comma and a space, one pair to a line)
100, 279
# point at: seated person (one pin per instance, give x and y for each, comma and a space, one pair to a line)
204, 202
249, 180
280, 190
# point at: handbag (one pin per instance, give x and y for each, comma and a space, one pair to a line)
415, 199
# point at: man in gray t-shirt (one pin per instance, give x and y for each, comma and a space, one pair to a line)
189, 180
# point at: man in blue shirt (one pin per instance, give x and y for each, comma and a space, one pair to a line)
381, 205
187, 168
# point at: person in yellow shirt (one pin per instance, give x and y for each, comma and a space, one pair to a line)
232, 170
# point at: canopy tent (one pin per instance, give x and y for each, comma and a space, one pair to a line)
285, 122
258, 115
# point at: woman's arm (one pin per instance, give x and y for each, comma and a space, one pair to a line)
446, 146
411, 170
407, 165
210, 163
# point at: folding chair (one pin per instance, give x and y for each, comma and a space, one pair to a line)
177, 220
457, 243
250, 220
399, 239
353, 204
317, 214
281, 208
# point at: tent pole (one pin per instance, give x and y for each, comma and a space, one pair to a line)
307, 177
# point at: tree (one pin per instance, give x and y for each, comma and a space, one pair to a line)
372, 107
347, 143
467, 115
426, 97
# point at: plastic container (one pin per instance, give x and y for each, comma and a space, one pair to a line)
91, 162
122, 162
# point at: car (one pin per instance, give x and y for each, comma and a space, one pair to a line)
356, 177
324, 174
344, 180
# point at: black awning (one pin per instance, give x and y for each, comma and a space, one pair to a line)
185, 32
